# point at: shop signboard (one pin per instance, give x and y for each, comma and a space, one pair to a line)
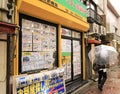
49, 82
71, 7
74, 6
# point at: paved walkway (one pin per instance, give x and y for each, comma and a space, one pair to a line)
112, 85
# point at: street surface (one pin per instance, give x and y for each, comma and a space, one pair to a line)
112, 85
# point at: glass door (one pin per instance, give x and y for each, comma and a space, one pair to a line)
66, 58
76, 59
71, 54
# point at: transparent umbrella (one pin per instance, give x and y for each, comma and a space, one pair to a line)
104, 53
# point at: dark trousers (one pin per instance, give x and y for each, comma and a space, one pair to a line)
102, 76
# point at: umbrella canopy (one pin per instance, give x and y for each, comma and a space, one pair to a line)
100, 61
103, 54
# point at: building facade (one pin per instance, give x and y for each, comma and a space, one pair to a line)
113, 26
48, 34
102, 29
51, 35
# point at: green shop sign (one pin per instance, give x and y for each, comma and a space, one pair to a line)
75, 6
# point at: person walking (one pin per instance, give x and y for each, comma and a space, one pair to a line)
103, 55
99, 65
102, 77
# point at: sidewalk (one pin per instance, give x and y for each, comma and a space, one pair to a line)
112, 85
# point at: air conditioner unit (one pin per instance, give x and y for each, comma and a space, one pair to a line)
103, 30
95, 28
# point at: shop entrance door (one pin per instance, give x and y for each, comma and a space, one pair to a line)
3, 66
76, 59
71, 59
66, 59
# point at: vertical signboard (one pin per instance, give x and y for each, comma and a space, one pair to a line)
49, 82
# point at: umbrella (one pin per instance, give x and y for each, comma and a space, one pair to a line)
103, 54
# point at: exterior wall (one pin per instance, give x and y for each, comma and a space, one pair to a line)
113, 22
118, 33
110, 24
3, 63
3, 6
5, 12
105, 6
101, 5
96, 1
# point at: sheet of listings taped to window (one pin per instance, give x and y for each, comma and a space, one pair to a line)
38, 45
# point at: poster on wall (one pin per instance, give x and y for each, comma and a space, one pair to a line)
26, 35
45, 37
66, 57
36, 40
52, 42
26, 40
76, 58
75, 34
49, 60
38, 45
66, 32
26, 23
32, 61
66, 46
49, 82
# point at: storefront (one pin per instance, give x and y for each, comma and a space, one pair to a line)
51, 36
71, 56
